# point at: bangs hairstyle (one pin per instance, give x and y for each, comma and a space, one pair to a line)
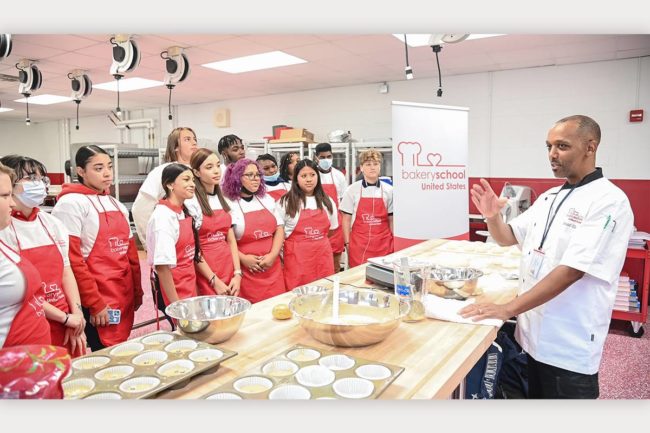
23, 165
370, 155
197, 159
295, 199
284, 165
84, 155
169, 175
9, 172
231, 185
173, 141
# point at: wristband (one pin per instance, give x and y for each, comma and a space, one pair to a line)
237, 272
67, 316
211, 281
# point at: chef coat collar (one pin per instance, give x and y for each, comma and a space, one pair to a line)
594, 175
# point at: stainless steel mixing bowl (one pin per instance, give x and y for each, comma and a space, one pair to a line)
451, 283
212, 319
366, 316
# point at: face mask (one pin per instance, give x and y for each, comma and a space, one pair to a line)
325, 163
33, 194
272, 178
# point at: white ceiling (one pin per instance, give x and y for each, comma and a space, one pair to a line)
333, 60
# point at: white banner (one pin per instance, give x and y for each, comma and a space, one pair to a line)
430, 179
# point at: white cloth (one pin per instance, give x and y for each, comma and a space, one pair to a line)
569, 331
32, 235
12, 290
290, 223
337, 178
265, 202
354, 192
163, 231
81, 219
439, 308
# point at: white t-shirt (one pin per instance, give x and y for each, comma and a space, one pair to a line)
354, 192
257, 203
290, 223
163, 231
283, 186
337, 178
194, 208
31, 234
81, 219
590, 233
12, 289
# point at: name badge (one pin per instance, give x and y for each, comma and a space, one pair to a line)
536, 262
114, 316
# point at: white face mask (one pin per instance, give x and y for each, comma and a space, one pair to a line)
325, 163
34, 193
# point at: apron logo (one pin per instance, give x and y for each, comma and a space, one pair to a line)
37, 304
370, 219
261, 234
313, 234
189, 251
52, 292
117, 245
216, 237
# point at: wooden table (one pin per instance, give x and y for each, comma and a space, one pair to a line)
436, 355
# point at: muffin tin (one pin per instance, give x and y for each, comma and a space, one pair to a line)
142, 367
308, 373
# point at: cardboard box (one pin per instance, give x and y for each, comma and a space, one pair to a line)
296, 134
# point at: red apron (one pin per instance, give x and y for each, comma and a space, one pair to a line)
277, 193
29, 325
213, 238
109, 262
336, 240
48, 259
305, 249
183, 273
257, 239
370, 235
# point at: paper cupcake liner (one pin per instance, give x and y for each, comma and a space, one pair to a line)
315, 376
252, 384
150, 358
336, 362
127, 349
157, 338
290, 392
90, 362
114, 373
353, 387
76, 388
176, 368
206, 355
181, 346
224, 396
303, 355
104, 396
373, 372
279, 368
139, 384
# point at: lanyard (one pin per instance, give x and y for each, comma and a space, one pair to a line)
548, 224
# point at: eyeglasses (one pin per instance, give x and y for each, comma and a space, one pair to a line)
34, 177
251, 176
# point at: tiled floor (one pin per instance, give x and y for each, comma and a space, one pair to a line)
624, 372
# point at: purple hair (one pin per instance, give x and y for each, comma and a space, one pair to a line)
231, 185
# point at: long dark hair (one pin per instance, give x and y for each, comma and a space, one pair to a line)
197, 159
23, 165
293, 199
284, 165
169, 175
84, 155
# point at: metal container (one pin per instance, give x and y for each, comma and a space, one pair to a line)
450, 283
366, 316
212, 319
309, 290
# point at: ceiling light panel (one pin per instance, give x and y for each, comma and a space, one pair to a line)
256, 62
44, 99
128, 84
422, 40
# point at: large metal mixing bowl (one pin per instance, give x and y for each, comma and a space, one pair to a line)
450, 283
212, 319
365, 316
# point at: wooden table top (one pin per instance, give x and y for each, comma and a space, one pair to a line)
436, 355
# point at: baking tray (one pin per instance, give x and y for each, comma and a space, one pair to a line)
142, 367
304, 372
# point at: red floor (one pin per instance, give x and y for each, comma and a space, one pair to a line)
624, 372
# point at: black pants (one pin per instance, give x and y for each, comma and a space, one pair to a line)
156, 291
547, 381
92, 336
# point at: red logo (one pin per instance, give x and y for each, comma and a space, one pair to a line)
411, 155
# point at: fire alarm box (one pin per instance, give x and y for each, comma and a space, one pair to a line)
636, 115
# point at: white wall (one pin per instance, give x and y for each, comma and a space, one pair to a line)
510, 114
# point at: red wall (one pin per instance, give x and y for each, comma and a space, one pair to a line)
637, 192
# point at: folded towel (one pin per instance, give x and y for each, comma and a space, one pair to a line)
447, 309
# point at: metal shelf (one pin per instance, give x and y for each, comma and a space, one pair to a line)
131, 179
134, 152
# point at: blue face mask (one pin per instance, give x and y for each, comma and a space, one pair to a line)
325, 163
34, 193
272, 178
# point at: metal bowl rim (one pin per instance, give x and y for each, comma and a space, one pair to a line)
246, 302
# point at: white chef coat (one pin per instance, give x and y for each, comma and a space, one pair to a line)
336, 177
163, 231
265, 202
290, 223
590, 233
81, 219
358, 189
12, 289
32, 235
